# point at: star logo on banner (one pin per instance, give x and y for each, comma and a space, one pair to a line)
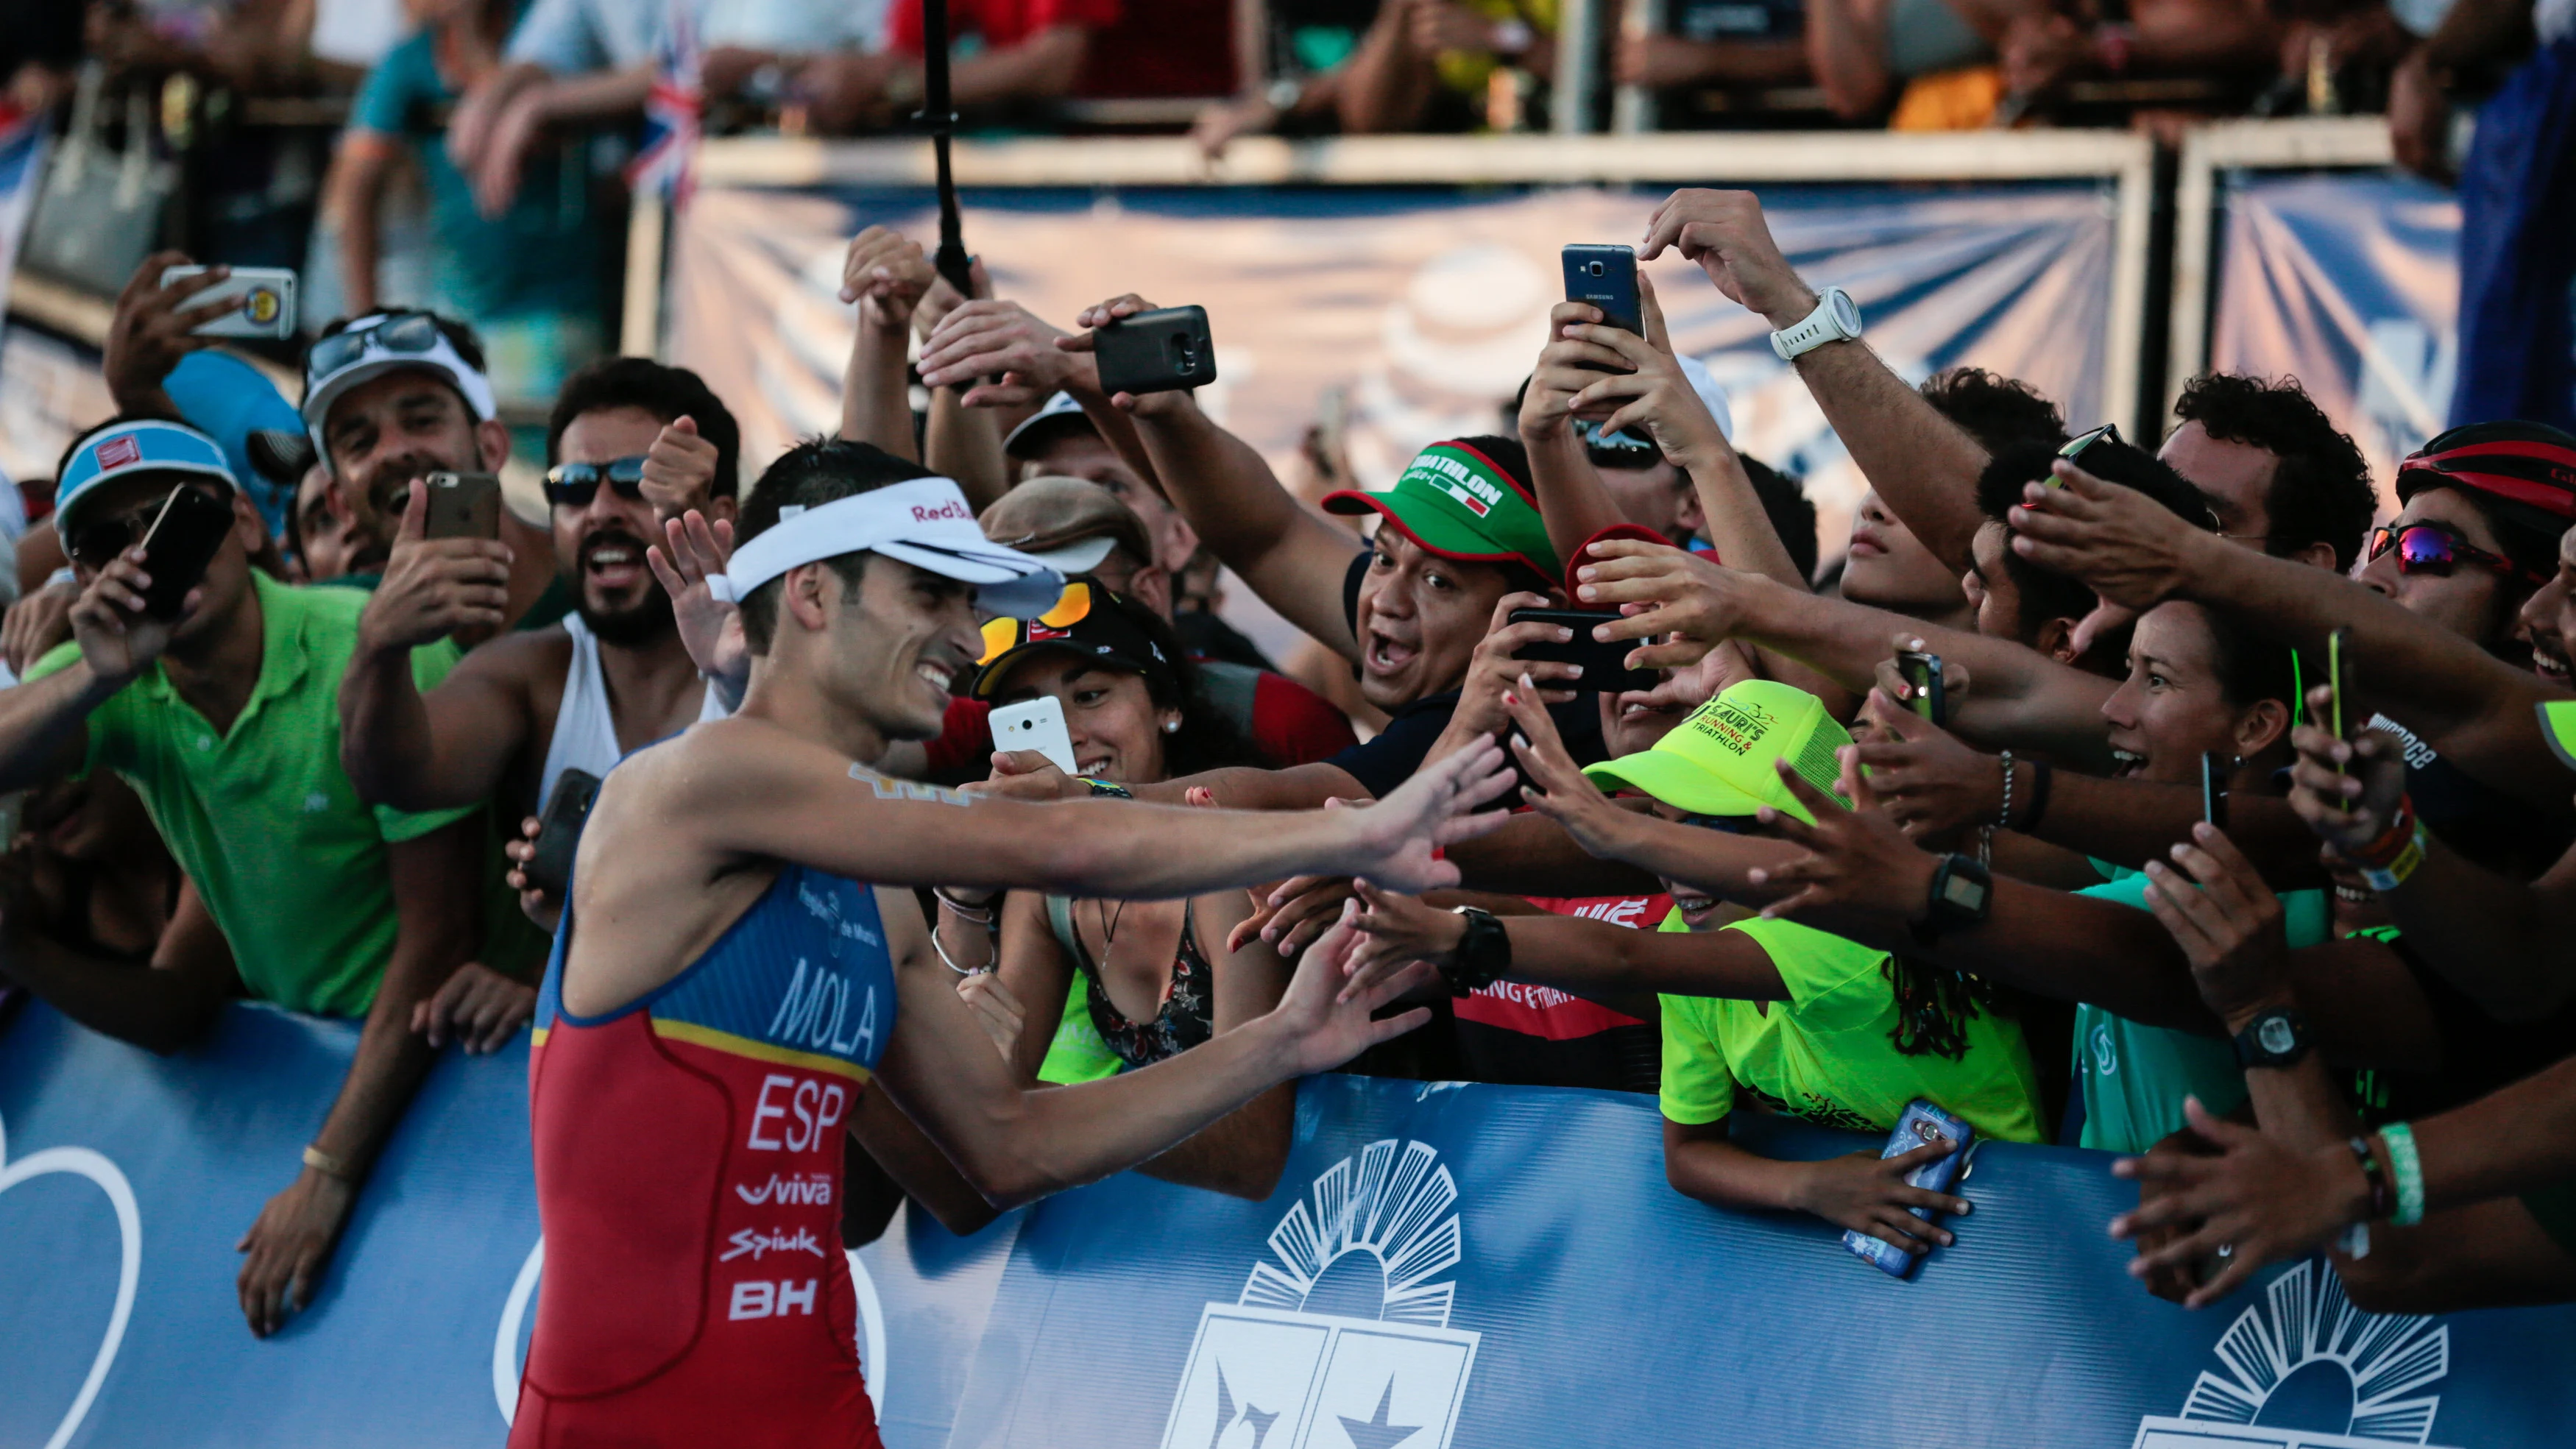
1375, 1432
1227, 1415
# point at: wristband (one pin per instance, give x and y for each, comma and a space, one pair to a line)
2383, 1197
2039, 778
328, 1165
2396, 871
1106, 789
2003, 817
2408, 1169
2391, 842
981, 915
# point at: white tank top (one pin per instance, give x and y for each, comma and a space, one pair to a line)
585, 735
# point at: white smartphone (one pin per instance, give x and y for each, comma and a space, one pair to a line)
268, 301
1037, 724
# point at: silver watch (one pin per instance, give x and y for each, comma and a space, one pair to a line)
1836, 319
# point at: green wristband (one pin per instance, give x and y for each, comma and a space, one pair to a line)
2408, 1169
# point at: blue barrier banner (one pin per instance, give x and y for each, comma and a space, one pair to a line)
1442, 1265
1426, 307
2350, 282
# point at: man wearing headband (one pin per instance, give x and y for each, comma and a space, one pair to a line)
392, 397
302, 895
632, 443
739, 959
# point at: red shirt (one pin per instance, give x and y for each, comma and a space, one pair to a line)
1140, 48
1001, 23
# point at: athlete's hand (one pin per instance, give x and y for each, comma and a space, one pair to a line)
479, 1007
289, 1246
539, 906
710, 629
1292, 914
1326, 1025
1869, 1194
1396, 842
996, 1009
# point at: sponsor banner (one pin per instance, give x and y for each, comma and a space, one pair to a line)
1424, 307
1440, 1266
2350, 282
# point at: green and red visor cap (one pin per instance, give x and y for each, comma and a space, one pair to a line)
1457, 503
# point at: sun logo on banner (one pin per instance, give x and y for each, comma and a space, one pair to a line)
2304, 1356
1343, 1341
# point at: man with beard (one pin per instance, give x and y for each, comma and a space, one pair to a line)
632, 443
392, 397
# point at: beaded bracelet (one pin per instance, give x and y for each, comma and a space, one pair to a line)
2382, 1198
2003, 817
2408, 1169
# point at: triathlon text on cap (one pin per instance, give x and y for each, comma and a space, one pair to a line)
1735, 725
1475, 492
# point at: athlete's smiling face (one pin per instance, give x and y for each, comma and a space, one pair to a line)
896, 641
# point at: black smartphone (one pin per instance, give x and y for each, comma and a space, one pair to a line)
2338, 676
1160, 351
182, 540
464, 505
1605, 667
2215, 769
559, 831
1922, 674
1606, 277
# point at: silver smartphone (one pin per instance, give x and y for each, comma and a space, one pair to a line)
268, 301
1036, 724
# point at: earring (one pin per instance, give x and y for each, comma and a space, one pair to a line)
1171, 726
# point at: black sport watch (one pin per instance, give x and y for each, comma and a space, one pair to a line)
1961, 887
1483, 954
2274, 1038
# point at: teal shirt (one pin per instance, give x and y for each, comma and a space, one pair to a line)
2134, 1077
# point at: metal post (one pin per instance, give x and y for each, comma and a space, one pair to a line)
1577, 37
1632, 108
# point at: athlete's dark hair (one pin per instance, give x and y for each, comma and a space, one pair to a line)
1995, 410
814, 472
2321, 490
2045, 593
1791, 511
668, 393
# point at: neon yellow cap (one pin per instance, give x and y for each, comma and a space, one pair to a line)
1720, 760
2558, 726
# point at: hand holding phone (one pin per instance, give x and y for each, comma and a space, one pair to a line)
463, 505
1922, 675
1036, 724
2338, 676
267, 296
549, 868
184, 537
1921, 1125
1605, 277
2215, 772
1165, 350
1605, 666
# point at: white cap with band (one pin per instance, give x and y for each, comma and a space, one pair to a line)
924, 522
375, 358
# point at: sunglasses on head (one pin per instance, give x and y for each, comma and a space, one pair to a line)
1071, 608
573, 485
404, 332
2427, 547
97, 542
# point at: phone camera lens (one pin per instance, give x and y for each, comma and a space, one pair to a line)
1593, 267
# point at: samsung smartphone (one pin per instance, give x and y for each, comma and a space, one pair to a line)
1606, 277
1160, 351
464, 505
1605, 666
1920, 1125
2214, 771
1922, 674
1036, 724
268, 301
180, 543
559, 831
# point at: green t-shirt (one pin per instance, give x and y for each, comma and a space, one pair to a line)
2135, 1077
291, 863
1826, 1054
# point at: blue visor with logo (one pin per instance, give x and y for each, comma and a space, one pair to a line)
127, 449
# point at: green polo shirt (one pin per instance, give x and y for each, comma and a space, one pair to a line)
290, 861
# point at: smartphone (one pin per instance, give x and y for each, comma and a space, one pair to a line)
1160, 351
1922, 674
183, 539
559, 831
464, 505
1606, 277
2338, 660
1921, 1124
267, 301
1036, 724
1605, 668
2215, 769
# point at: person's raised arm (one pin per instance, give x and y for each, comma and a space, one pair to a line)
886, 276
436, 896
163, 1009
356, 186
448, 747
2474, 708
153, 328
1923, 464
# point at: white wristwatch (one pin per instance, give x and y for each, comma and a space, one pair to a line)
1836, 319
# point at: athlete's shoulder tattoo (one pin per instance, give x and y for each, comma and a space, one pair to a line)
890, 788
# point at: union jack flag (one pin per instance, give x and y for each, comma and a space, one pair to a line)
672, 111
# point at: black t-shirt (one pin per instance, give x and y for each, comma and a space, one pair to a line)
1388, 760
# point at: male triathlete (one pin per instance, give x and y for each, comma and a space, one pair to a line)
730, 974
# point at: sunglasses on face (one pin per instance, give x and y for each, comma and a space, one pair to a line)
97, 542
404, 332
573, 485
1071, 608
2434, 548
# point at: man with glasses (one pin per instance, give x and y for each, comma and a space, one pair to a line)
300, 893
392, 397
633, 443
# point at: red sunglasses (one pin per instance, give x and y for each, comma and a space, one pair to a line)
2427, 547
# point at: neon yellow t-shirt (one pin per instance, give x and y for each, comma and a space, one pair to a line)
1826, 1053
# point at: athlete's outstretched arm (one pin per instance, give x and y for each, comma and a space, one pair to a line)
1016, 1143
750, 790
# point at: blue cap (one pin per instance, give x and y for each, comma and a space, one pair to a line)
131, 449
229, 399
